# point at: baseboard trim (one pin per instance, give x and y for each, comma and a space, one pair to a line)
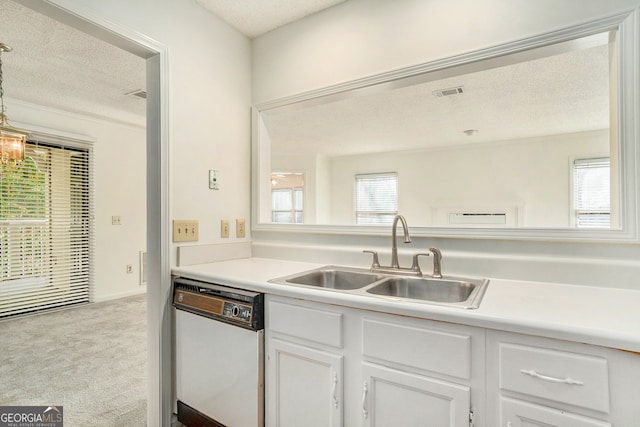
140, 290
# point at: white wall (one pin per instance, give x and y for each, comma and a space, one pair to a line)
360, 38
209, 93
209, 105
119, 189
531, 175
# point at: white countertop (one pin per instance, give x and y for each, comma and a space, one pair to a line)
598, 316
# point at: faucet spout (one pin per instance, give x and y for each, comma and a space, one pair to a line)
394, 243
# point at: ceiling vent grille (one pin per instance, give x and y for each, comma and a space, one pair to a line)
139, 93
448, 92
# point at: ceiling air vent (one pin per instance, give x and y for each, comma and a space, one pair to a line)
448, 92
139, 93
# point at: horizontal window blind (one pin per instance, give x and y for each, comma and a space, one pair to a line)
376, 198
45, 229
591, 188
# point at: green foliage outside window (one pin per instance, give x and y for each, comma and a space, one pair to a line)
22, 191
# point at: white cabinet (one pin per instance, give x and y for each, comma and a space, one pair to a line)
416, 370
331, 366
304, 386
516, 413
394, 398
304, 365
534, 381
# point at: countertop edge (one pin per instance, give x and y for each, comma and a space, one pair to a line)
235, 273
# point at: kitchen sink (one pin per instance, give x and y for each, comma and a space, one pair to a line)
450, 291
334, 278
428, 289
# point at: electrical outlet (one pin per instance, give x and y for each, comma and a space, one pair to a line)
224, 228
240, 227
129, 268
116, 220
185, 230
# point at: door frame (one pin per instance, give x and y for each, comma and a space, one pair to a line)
159, 313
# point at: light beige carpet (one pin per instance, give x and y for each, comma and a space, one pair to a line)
89, 359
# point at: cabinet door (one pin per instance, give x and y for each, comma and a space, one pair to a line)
304, 386
515, 413
395, 398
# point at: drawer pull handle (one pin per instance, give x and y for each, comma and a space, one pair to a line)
534, 374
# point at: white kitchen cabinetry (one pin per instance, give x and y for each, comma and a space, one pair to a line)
306, 386
354, 367
516, 413
303, 373
416, 370
535, 381
394, 398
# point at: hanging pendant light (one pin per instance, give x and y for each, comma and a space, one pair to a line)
12, 140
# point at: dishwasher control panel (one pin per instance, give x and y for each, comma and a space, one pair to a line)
237, 311
236, 306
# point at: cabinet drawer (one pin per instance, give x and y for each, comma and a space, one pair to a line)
311, 324
515, 413
431, 350
570, 378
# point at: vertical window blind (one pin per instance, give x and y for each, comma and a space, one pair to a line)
591, 193
46, 232
376, 198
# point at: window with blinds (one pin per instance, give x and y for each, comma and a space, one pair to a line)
45, 229
287, 197
376, 198
591, 193
286, 205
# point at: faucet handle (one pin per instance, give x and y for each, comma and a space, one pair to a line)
376, 262
415, 265
437, 262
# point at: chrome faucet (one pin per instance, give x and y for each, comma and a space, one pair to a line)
395, 268
394, 243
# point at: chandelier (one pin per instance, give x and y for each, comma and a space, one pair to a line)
12, 140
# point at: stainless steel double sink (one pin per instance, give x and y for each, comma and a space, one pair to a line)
450, 291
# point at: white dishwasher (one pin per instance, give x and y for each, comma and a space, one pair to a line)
219, 355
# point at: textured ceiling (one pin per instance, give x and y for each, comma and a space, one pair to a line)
256, 17
558, 94
56, 66
59, 67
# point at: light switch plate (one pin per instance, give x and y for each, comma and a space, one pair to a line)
224, 228
240, 227
185, 230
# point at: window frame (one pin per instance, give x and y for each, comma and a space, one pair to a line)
294, 190
360, 214
575, 213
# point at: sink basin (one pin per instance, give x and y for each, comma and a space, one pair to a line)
450, 291
340, 279
447, 291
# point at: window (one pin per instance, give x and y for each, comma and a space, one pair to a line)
45, 230
287, 196
591, 193
376, 198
